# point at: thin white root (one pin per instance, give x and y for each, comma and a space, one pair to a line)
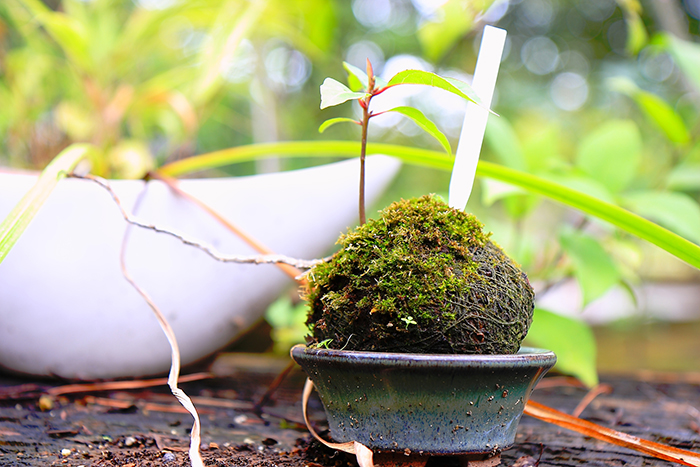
195, 435
208, 249
195, 438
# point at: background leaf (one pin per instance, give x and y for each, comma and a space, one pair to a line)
572, 340
68, 33
637, 36
451, 22
503, 141
233, 23
594, 270
686, 55
334, 93
611, 154
677, 211
663, 116
684, 177
659, 112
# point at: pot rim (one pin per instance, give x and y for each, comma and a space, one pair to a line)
526, 356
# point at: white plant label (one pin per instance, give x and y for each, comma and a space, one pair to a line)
475, 118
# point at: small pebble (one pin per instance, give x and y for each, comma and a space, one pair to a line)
129, 441
45, 403
65, 452
169, 457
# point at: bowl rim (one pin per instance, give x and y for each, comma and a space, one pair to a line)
526, 356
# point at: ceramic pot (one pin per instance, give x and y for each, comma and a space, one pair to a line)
424, 404
66, 310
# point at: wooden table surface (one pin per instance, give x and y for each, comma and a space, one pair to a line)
146, 426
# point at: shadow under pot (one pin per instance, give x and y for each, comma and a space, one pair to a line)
463, 405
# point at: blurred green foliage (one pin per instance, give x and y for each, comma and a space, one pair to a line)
598, 95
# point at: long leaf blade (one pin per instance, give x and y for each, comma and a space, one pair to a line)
676, 211
426, 124
19, 218
615, 215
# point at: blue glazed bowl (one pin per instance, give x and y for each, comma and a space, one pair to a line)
426, 404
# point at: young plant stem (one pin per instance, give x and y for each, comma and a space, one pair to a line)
366, 115
363, 153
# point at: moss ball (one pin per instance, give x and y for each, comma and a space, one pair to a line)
422, 278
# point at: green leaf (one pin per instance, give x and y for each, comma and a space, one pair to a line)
234, 21
19, 218
659, 112
450, 24
572, 340
357, 79
664, 117
676, 211
684, 177
686, 55
503, 141
637, 36
68, 32
541, 142
594, 270
427, 78
332, 121
611, 154
334, 93
288, 323
425, 123
608, 212
518, 202
493, 190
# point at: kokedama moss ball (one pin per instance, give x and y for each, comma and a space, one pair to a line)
422, 278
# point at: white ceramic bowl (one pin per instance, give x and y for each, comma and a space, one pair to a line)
66, 310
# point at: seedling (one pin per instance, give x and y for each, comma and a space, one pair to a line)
365, 86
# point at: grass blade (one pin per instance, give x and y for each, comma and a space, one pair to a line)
19, 218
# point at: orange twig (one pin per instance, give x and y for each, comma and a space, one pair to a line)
147, 406
609, 435
588, 398
121, 385
559, 381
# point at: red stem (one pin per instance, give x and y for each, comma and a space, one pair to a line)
363, 152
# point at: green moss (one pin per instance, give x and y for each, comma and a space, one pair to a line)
423, 277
